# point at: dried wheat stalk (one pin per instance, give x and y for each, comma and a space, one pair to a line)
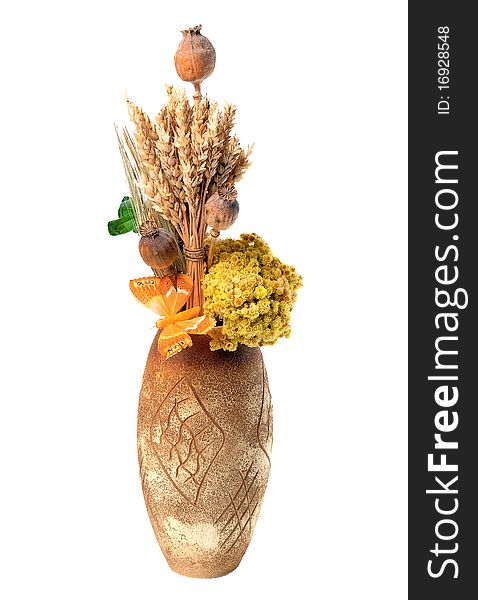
186, 154
241, 165
138, 201
156, 185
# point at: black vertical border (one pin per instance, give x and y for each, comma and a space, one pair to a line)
428, 134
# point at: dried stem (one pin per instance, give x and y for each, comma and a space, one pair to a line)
197, 94
214, 235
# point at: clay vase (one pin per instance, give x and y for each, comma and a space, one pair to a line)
204, 443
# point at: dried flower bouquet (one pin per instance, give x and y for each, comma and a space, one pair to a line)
204, 417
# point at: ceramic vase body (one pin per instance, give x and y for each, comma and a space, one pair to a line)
204, 443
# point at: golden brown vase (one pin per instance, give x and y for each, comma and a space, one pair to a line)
204, 443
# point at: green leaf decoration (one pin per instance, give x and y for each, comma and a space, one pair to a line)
120, 226
125, 221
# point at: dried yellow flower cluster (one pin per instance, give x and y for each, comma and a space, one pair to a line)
250, 292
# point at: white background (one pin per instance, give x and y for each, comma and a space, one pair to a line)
321, 90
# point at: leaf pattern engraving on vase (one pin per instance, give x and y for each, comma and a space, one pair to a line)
186, 439
236, 518
264, 426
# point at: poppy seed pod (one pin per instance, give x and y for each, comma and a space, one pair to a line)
195, 57
222, 209
157, 247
